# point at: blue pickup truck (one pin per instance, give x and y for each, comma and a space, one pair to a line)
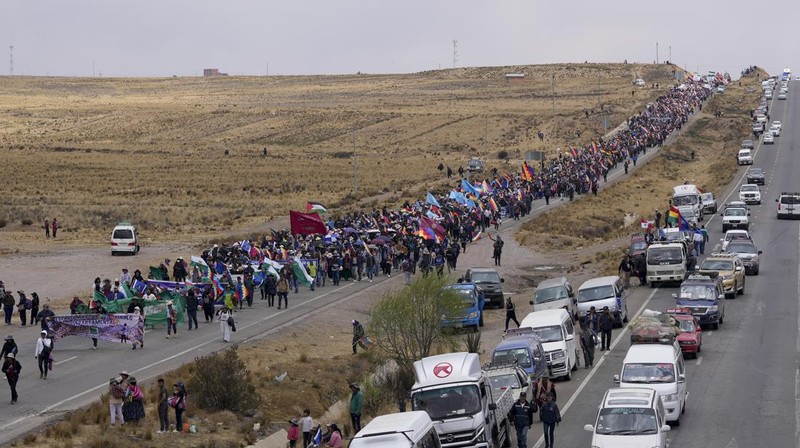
474, 300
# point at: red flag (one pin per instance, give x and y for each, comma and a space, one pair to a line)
306, 223
435, 226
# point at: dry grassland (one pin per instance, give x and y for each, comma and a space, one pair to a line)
593, 220
96, 151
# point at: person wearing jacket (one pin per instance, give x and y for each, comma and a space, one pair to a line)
9, 346
43, 315
522, 413
606, 324
356, 406
116, 395
11, 369
335, 437
550, 416
44, 346
34, 308
22, 307
191, 308
587, 344
8, 306
511, 313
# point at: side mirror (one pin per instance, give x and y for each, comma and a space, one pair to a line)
590, 428
722, 239
721, 297
492, 406
570, 337
699, 330
674, 296
682, 378
666, 428
502, 280
776, 200
748, 214
616, 379
738, 268
759, 252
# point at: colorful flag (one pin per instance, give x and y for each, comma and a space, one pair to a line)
573, 152
217, 286
245, 246
301, 273
201, 265
318, 436
116, 327
428, 234
139, 287
492, 204
674, 215
487, 189
127, 291
525, 172
469, 188
306, 223
315, 207
432, 200
647, 224
594, 148
519, 195
477, 236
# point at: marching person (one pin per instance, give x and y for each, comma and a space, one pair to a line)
44, 346
171, 320
191, 308
522, 412
9, 346
625, 269
606, 323
511, 313
23, 306
587, 344
11, 369
544, 387
551, 417
225, 324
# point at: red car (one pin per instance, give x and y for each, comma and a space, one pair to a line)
691, 337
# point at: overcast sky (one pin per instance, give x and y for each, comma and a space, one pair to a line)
181, 37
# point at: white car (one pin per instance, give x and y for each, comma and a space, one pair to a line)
768, 94
124, 239
761, 118
750, 194
775, 131
639, 82
782, 96
769, 139
735, 217
687, 212
788, 205
734, 234
745, 157
777, 124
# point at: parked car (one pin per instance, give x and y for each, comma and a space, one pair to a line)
475, 165
755, 176
490, 282
124, 239
691, 337
709, 202
747, 144
768, 140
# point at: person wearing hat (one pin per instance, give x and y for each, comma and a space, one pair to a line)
179, 390
334, 436
44, 347
11, 369
358, 336
9, 346
34, 304
356, 406
294, 432
133, 407
23, 306
606, 324
123, 376
125, 276
522, 415
116, 396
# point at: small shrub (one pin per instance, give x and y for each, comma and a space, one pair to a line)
27, 222
303, 357
223, 384
101, 441
3, 223
502, 154
28, 439
473, 342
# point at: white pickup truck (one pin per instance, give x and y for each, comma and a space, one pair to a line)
745, 157
458, 396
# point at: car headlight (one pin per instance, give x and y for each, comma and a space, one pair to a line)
670, 397
481, 436
754, 259
713, 309
559, 354
473, 315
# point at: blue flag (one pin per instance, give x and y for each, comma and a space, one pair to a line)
458, 197
259, 277
318, 436
469, 188
245, 246
683, 225
432, 200
139, 287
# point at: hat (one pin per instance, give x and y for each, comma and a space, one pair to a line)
132, 379
523, 394
9, 338
330, 424
294, 421
124, 373
125, 269
355, 386
136, 308
605, 308
44, 332
169, 302
10, 355
355, 321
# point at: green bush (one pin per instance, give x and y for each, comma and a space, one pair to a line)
221, 383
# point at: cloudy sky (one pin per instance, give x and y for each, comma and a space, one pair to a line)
181, 37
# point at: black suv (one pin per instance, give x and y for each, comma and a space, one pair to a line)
748, 252
755, 176
491, 283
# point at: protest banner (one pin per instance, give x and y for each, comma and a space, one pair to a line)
123, 328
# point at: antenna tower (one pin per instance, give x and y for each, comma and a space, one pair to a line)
11, 60
455, 53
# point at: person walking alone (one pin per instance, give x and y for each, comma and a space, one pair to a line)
358, 336
356, 406
46, 228
163, 407
225, 324
497, 249
511, 313
11, 369
606, 324
172, 318
55, 227
551, 417
44, 346
522, 413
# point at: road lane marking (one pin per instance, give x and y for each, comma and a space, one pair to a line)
64, 360
599, 363
169, 358
699, 360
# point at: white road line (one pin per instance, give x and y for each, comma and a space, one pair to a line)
64, 360
598, 364
170, 358
699, 360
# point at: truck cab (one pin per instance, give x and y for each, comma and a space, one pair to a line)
666, 262
473, 301
688, 196
457, 395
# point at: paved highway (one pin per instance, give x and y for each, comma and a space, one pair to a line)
743, 388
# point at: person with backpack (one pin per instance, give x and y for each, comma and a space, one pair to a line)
23, 306
178, 401
44, 347
116, 395
9, 346
133, 407
11, 369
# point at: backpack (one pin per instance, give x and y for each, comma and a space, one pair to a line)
28, 304
46, 349
117, 392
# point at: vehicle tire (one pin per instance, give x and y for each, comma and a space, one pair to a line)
756, 271
715, 326
741, 291
652, 284
676, 422
480, 321
699, 349
683, 410
625, 319
568, 376
113, 253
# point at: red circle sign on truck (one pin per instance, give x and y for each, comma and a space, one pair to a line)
442, 370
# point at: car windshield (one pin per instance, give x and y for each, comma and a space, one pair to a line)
502, 382
123, 234
638, 245
717, 265
742, 249
549, 294
648, 373
627, 421
686, 325
708, 197
756, 172
664, 255
550, 334
513, 354
485, 277
448, 402
735, 212
684, 200
749, 188
687, 212
467, 296
596, 293
744, 153
696, 292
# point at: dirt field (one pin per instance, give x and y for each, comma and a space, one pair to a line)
93, 152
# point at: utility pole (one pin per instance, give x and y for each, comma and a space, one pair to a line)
455, 53
656, 52
355, 176
670, 54
267, 68
553, 86
92, 69
11, 60
485, 130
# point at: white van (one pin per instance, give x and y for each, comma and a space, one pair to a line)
658, 366
630, 417
557, 333
554, 293
405, 429
688, 196
124, 239
601, 292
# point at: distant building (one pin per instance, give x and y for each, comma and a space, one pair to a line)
515, 77
213, 72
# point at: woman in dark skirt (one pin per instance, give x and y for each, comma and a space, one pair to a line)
133, 407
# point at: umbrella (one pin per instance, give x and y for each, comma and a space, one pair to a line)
378, 241
372, 231
330, 238
350, 230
